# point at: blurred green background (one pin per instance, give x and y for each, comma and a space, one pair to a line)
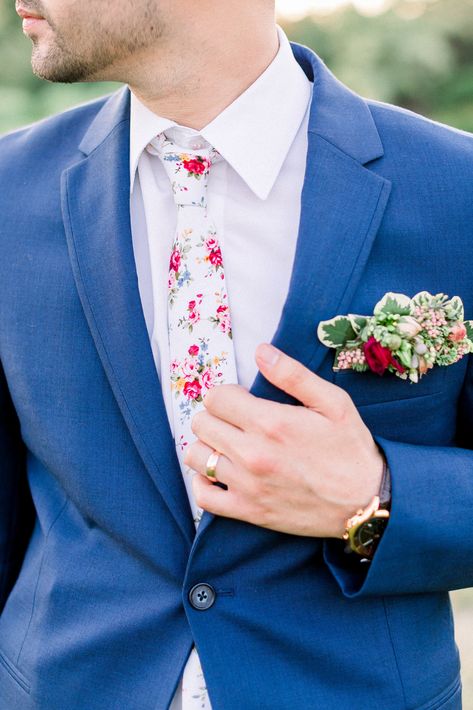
416, 53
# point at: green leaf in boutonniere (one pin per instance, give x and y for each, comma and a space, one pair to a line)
394, 304
341, 330
336, 332
358, 322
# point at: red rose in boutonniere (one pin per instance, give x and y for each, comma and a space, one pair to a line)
379, 357
405, 336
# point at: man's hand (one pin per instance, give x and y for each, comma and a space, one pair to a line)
299, 470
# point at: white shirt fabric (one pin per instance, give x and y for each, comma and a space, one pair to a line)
254, 198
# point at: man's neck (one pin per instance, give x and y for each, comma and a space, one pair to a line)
192, 84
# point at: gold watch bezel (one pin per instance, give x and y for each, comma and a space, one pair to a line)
373, 511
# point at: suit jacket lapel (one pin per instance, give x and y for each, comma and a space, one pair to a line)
95, 199
342, 207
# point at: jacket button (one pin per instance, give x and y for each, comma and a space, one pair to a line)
202, 596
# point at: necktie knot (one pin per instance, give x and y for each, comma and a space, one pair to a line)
187, 169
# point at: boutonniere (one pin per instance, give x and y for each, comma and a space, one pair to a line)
405, 336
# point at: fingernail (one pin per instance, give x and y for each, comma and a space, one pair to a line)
268, 354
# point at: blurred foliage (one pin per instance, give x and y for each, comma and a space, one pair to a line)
418, 53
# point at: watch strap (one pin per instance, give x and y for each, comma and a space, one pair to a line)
378, 508
385, 488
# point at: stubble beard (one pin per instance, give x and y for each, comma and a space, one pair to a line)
58, 64
89, 53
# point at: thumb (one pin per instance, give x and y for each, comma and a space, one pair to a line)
292, 377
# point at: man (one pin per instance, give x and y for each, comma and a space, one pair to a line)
169, 538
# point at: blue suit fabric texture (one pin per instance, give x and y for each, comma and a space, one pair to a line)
97, 545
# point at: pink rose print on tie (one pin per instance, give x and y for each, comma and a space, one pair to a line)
193, 389
211, 244
192, 316
208, 378
179, 274
223, 316
175, 261
212, 253
222, 319
194, 375
196, 166
215, 257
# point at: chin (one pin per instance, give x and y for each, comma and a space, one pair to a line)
49, 64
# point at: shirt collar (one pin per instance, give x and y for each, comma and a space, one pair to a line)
254, 133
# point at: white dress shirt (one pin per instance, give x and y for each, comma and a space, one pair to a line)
254, 198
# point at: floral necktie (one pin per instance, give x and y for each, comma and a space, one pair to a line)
199, 326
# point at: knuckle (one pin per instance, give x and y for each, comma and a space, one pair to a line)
259, 461
341, 405
275, 426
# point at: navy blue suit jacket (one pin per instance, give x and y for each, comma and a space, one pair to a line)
97, 543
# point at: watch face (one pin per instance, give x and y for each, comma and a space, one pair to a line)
368, 535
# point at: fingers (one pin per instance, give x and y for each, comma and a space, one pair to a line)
218, 434
227, 503
235, 405
197, 456
308, 388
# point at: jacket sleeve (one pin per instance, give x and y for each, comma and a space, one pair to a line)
16, 509
428, 543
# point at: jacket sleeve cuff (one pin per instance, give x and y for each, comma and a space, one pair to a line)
428, 543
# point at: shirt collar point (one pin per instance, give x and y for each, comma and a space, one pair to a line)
261, 189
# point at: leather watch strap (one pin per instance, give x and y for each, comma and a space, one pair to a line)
385, 489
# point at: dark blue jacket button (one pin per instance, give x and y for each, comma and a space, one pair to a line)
202, 596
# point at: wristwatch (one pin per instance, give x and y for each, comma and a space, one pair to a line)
364, 530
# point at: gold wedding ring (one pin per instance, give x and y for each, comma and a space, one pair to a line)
212, 461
